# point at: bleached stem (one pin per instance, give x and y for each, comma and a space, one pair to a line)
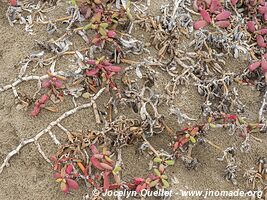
46, 130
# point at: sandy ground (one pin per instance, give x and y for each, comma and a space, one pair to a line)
30, 177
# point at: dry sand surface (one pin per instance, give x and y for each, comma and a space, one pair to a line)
29, 177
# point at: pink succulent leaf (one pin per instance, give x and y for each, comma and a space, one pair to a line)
205, 15
36, 111
94, 149
138, 181
223, 15
57, 176
91, 62
13, 2
234, 2
91, 72
262, 9
44, 98
69, 169
113, 68
200, 24
264, 66
265, 16
72, 184
98, 156
106, 180
111, 34
96, 163
262, 31
106, 63
215, 6
58, 83
106, 166
254, 66
251, 26
46, 84
260, 41
223, 24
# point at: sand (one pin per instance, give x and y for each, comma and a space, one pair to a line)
29, 176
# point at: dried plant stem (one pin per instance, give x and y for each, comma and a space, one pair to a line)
214, 145
150, 146
24, 79
262, 109
96, 113
46, 130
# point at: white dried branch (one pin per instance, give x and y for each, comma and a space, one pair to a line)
42, 152
55, 140
25, 79
46, 130
263, 108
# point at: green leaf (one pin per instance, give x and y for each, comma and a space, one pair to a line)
88, 26
241, 120
212, 125
102, 31
153, 183
157, 160
193, 140
165, 183
157, 172
104, 25
164, 176
169, 162
117, 169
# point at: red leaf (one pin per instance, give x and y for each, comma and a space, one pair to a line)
46, 83
72, 184
106, 166
57, 175
69, 169
223, 24
13, 2
260, 41
200, 24
111, 34
94, 149
138, 181
98, 156
262, 31
254, 66
264, 66
180, 143
106, 180
251, 26
91, 62
113, 68
223, 15
44, 99
205, 15
91, 72
262, 9
215, 6
106, 63
96, 163
36, 111
58, 83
